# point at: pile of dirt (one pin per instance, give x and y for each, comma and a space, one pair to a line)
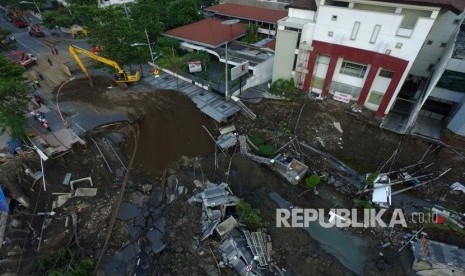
170, 132
171, 125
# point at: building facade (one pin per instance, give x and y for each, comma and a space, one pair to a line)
366, 51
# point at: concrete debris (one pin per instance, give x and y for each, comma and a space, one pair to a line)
337, 125
72, 182
215, 199
85, 192
437, 258
236, 253
457, 186
67, 179
382, 192
227, 129
290, 168
226, 226
128, 211
172, 188
62, 199
320, 140
226, 141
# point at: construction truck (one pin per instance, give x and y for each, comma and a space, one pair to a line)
36, 30
16, 18
122, 78
22, 58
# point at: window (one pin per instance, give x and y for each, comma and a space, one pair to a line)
353, 69
399, 45
353, 36
388, 51
443, 45
411, 17
386, 74
429, 42
295, 62
334, 18
330, 33
323, 59
456, 21
452, 80
374, 35
430, 67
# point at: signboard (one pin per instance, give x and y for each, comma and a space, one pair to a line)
195, 66
342, 97
239, 70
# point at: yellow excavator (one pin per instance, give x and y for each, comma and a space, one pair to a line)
122, 78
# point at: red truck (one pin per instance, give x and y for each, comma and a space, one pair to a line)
36, 30
15, 19
24, 59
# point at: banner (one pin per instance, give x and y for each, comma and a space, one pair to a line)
195, 66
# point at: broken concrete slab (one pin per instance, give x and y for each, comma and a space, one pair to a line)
159, 224
67, 179
128, 211
85, 192
226, 226
227, 140
337, 125
62, 199
155, 238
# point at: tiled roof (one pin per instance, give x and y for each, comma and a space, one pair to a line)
270, 44
247, 12
208, 32
456, 6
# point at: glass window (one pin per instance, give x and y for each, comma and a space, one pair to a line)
353, 69
386, 73
452, 80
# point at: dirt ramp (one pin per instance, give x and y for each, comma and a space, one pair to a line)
171, 131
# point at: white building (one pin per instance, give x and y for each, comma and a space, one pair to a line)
107, 3
364, 50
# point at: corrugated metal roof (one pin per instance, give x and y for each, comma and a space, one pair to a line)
247, 12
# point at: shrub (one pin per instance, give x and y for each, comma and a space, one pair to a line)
370, 179
248, 215
363, 203
256, 140
313, 180
267, 150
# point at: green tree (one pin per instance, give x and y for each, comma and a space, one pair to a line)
248, 215
13, 98
251, 33
313, 181
370, 179
66, 261
181, 12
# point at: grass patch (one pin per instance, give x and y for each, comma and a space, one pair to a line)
447, 225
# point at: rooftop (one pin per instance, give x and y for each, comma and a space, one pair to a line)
247, 12
303, 5
210, 32
439, 252
456, 6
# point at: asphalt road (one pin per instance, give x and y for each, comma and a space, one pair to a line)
35, 45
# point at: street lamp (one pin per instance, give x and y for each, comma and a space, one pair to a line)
65, 123
150, 48
229, 23
35, 3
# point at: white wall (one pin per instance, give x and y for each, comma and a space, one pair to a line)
302, 14
387, 38
103, 3
456, 65
442, 31
262, 73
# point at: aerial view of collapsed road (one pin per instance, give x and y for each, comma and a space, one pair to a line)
235, 137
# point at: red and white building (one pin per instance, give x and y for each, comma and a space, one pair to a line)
362, 50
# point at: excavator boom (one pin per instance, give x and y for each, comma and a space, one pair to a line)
120, 76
